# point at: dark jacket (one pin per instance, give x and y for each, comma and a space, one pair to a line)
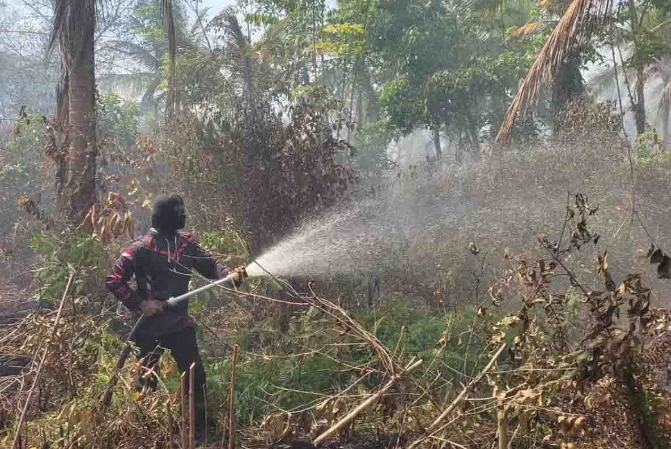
162, 266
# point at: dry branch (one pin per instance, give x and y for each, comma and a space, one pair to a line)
365, 404
26, 405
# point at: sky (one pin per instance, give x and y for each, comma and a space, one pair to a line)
217, 5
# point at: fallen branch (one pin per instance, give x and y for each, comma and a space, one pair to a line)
24, 411
354, 413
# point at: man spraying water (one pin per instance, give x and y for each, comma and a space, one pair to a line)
162, 262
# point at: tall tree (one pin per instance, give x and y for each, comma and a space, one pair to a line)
74, 32
579, 21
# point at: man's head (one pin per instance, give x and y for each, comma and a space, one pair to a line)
169, 214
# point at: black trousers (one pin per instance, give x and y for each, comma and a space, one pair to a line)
184, 349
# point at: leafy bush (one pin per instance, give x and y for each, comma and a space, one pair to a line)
78, 252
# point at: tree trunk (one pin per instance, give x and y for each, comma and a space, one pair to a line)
436, 142
81, 187
249, 83
475, 135
566, 86
360, 119
639, 107
61, 147
665, 127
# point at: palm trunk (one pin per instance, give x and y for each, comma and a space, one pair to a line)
83, 151
665, 128
639, 107
61, 147
567, 85
474, 131
436, 142
359, 110
249, 82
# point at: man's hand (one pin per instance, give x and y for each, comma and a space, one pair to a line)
242, 271
151, 307
242, 274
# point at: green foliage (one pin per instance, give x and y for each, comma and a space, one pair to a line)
648, 151
57, 259
303, 366
343, 39
117, 121
371, 147
23, 168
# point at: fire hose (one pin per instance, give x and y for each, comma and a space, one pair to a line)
231, 279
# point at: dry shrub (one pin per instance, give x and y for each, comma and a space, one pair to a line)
256, 172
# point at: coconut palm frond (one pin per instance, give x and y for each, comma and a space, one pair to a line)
575, 25
239, 52
660, 26
529, 28
235, 39
136, 52
605, 80
199, 25
136, 83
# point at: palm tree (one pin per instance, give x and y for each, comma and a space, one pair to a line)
73, 31
659, 71
147, 52
240, 59
74, 34
577, 23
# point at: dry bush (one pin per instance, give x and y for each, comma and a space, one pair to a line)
256, 173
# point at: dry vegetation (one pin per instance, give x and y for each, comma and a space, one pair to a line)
575, 365
519, 300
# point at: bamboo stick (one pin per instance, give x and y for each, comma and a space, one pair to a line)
184, 427
192, 406
171, 425
502, 425
361, 407
231, 401
24, 411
